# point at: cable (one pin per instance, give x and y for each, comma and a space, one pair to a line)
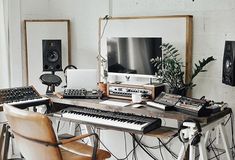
163, 145
217, 155
228, 119
58, 125
212, 147
102, 34
160, 150
101, 59
171, 152
60, 128
150, 147
144, 149
210, 144
157, 147
113, 154
134, 155
214, 151
124, 134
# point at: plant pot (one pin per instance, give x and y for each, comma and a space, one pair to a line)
103, 88
181, 92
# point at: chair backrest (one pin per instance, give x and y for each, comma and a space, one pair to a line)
32, 131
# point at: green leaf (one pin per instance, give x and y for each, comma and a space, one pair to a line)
202, 64
172, 67
174, 51
169, 46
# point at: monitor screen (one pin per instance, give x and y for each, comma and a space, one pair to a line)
131, 55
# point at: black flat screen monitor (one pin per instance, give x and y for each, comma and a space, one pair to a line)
131, 55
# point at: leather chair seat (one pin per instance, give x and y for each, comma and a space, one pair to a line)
36, 138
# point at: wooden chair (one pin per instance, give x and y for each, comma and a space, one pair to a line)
36, 139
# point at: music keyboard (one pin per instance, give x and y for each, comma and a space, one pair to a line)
37, 101
22, 96
123, 121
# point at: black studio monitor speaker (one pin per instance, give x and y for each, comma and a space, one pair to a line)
229, 63
52, 56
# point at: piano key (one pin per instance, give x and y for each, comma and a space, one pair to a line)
113, 119
42, 99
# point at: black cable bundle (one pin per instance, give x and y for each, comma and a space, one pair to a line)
132, 151
144, 148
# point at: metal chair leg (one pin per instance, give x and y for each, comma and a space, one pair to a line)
2, 139
7, 141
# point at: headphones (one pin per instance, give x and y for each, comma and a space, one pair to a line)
65, 72
50, 79
196, 138
69, 67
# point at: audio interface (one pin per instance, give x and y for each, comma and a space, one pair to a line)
125, 91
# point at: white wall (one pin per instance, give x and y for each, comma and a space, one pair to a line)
84, 17
213, 24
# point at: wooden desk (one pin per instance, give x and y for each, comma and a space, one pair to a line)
207, 123
145, 111
162, 132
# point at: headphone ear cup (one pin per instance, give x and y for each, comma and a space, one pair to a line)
196, 139
69, 67
65, 74
181, 137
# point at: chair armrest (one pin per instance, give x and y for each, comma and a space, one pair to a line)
65, 141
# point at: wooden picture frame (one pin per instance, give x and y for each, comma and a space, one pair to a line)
175, 29
35, 32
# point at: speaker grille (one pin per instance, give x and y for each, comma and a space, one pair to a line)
228, 63
52, 56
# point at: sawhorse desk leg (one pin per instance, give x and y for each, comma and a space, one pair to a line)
202, 148
225, 142
202, 151
219, 126
190, 132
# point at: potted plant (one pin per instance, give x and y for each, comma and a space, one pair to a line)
170, 69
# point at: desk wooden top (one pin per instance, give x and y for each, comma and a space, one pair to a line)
144, 111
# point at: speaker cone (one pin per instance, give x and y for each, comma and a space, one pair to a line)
53, 56
227, 65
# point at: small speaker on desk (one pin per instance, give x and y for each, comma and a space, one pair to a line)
52, 56
228, 76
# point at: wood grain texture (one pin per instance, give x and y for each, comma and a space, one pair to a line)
146, 111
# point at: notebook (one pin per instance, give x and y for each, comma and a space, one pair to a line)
82, 78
